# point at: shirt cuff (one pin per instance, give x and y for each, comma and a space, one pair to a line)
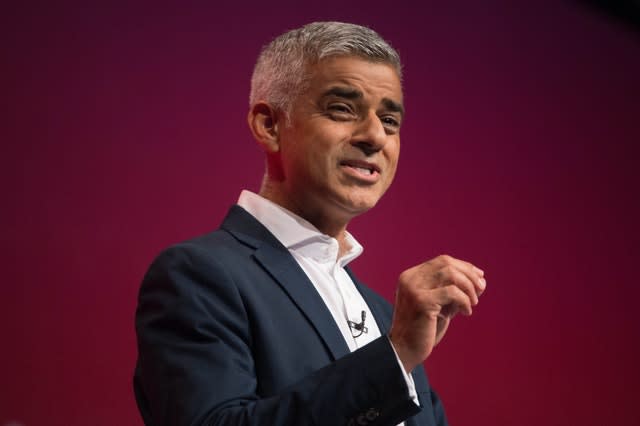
407, 377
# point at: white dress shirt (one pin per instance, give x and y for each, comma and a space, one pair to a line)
317, 255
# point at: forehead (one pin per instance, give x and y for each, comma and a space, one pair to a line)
374, 79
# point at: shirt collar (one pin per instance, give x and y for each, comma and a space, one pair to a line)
295, 233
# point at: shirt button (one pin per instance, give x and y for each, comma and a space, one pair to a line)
372, 414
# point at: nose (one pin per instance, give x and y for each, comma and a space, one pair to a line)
370, 136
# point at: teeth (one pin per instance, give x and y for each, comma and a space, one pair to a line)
365, 171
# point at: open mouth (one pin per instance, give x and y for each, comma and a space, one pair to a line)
365, 171
362, 168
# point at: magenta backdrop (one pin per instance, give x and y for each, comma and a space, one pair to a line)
124, 131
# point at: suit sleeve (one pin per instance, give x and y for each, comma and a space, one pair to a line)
195, 363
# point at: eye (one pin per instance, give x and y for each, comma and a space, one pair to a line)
340, 110
391, 123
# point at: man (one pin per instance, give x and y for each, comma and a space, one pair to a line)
261, 322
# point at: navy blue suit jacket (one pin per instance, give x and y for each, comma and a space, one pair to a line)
232, 332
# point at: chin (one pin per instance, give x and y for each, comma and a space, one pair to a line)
359, 206
355, 201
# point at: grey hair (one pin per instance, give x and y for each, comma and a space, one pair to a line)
281, 72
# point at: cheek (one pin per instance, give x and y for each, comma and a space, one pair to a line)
323, 149
393, 155
312, 159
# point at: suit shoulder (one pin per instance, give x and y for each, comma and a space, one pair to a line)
213, 244
203, 256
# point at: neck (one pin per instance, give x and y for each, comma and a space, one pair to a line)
327, 223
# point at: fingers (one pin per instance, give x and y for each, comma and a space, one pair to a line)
453, 276
451, 300
464, 274
428, 296
445, 271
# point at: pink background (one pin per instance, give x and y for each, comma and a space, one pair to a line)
124, 131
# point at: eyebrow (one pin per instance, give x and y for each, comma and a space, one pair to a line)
353, 94
393, 106
343, 92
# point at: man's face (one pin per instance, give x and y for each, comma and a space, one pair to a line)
339, 153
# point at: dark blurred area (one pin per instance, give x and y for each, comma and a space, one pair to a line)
626, 11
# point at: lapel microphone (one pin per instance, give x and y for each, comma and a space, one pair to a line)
357, 328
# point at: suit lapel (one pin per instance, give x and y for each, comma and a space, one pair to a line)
284, 269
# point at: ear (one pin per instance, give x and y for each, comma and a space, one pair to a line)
263, 122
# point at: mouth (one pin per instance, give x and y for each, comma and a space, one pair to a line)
362, 169
366, 171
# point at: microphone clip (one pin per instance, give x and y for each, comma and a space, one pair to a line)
357, 328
